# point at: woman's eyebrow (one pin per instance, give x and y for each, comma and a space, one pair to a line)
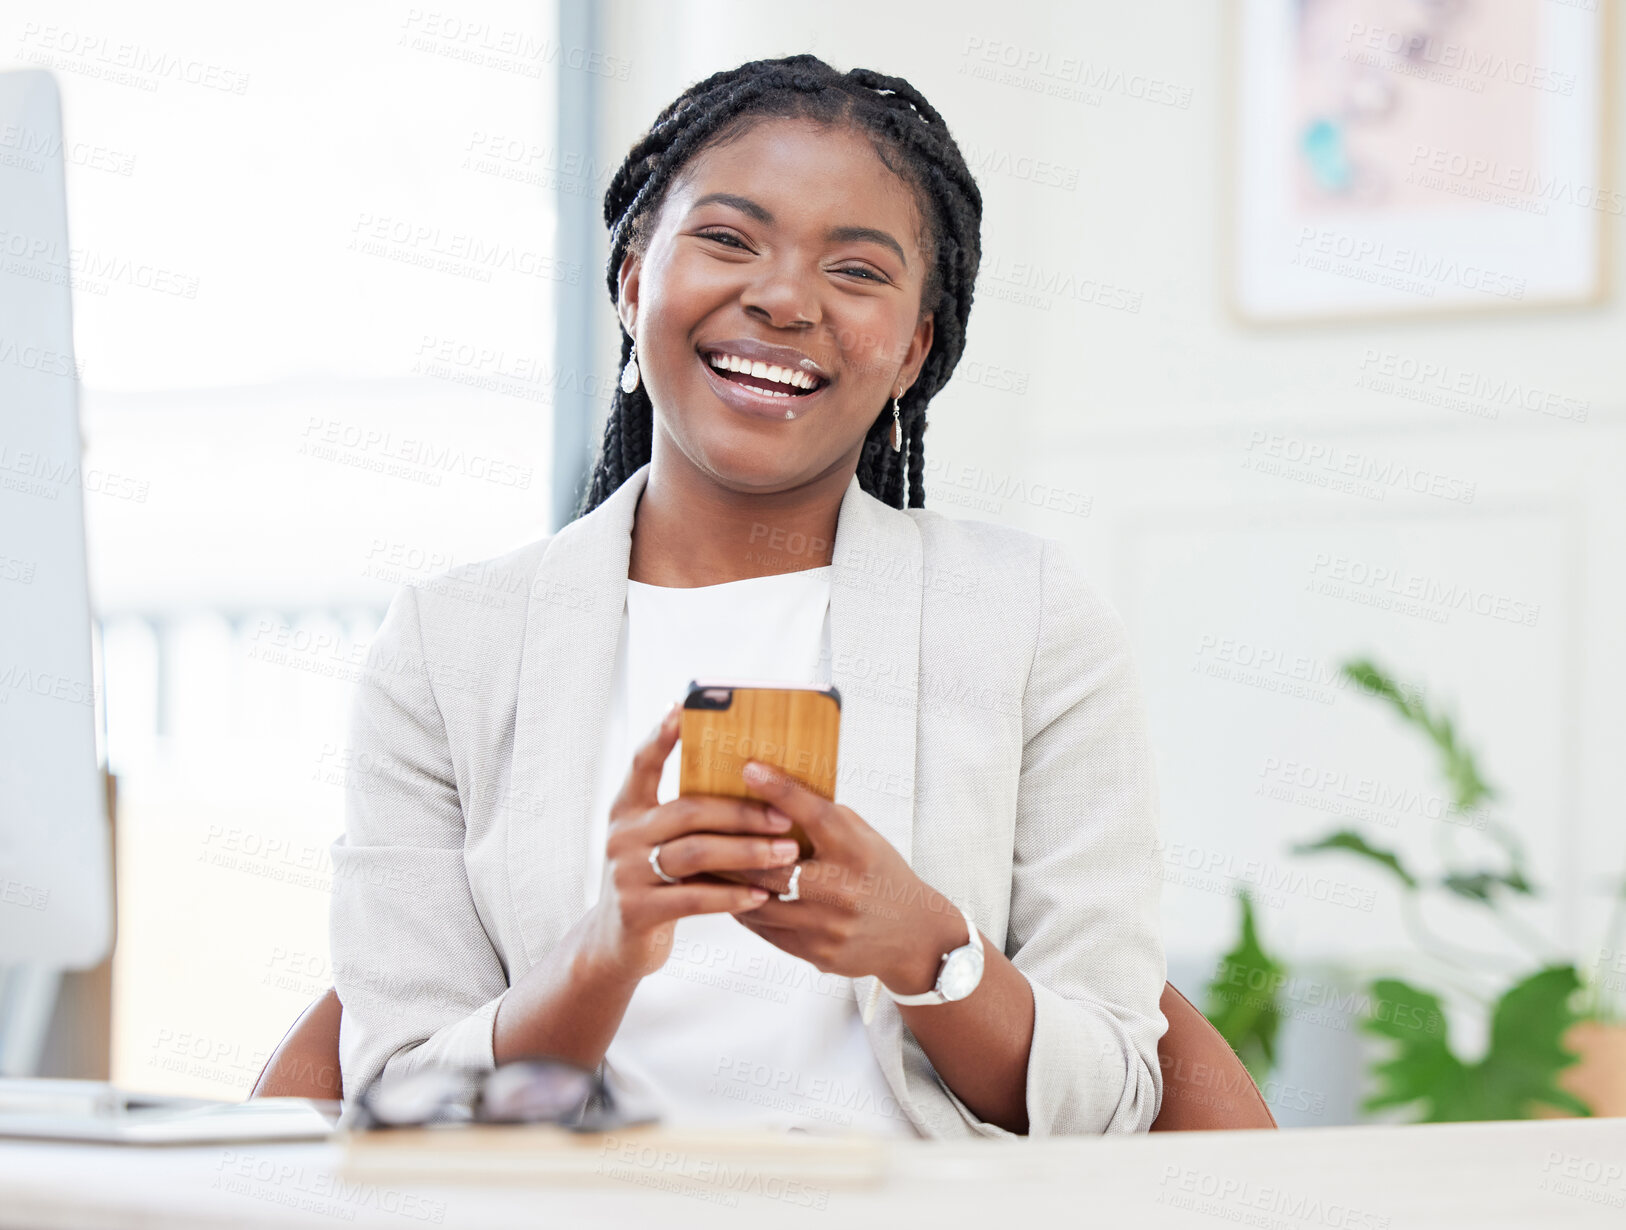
838, 234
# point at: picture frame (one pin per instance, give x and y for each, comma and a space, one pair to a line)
1409, 157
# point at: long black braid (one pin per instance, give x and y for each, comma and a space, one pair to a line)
903, 125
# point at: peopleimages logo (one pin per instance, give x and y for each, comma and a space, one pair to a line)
1444, 54
1220, 871
46, 260
18, 679
122, 62
33, 358
31, 148
1480, 393
1244, 1201
1065, 76
1036, 285
42, 475
1380, 474
1318, 247
455, 251
1540, 186
508, 49
329, 439
1351, 575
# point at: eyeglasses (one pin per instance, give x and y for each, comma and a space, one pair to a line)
522, 1091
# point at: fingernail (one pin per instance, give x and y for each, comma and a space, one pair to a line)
778, 820
785, 851
756, 772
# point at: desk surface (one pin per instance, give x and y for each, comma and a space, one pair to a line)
1518, 1175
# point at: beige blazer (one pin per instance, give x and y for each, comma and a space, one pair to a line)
992, 730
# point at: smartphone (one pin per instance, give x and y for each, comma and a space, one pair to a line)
793, 727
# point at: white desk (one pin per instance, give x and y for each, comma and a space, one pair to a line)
1522, 1176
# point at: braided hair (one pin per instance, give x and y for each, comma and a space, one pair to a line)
910, 138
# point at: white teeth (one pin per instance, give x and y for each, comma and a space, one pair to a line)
764, 371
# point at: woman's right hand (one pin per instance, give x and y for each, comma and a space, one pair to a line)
632, 925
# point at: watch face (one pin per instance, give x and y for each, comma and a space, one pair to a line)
961, 973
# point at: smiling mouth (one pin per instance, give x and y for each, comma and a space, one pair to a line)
764, 378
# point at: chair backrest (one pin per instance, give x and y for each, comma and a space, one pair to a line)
1206, 1088
306, 1061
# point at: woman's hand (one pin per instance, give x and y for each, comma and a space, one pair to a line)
630, 929
861, 908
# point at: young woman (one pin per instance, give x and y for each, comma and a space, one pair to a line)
974, 948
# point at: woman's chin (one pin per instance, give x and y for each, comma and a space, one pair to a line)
754, 475
746, 461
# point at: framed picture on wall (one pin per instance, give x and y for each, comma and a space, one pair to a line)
1392, 157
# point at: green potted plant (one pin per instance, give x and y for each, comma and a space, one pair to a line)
1556, 1045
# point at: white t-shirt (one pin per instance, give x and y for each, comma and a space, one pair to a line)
731, 1029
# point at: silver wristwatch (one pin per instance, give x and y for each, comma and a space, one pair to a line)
958, 977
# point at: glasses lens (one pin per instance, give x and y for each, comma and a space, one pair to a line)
419, 1098
536, 1091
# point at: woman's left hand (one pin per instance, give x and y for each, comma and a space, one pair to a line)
862, 909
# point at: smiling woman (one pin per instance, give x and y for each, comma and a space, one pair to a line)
973, 947
832, 210
846, 298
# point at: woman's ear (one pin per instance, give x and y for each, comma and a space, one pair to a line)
626, 291
920, 345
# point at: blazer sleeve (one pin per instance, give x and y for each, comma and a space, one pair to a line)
416, 972
1085, 886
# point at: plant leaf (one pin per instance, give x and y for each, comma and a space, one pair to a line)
1244, 998
1456, 761
1527, 1049
1478, 885
1515, 880
1421, 1067
1367, 674
1348, 839
1520, 1067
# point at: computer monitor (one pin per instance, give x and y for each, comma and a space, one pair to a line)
55, 861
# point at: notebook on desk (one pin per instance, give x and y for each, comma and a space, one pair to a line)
102, 1113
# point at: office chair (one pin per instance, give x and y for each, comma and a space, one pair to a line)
306, 1061
1206, 1088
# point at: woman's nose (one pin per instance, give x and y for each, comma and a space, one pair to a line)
784, 294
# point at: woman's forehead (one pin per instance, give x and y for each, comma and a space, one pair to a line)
801, 170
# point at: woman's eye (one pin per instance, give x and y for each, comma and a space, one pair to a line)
726, 237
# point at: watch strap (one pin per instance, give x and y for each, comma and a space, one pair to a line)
935, 995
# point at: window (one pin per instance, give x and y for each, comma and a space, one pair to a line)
314, 309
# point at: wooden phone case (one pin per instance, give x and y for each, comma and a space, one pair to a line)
725, 723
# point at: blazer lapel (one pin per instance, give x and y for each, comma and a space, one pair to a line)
572, 628
875, 599
577, 599
875, 606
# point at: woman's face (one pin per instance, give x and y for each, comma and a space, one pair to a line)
792, 236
